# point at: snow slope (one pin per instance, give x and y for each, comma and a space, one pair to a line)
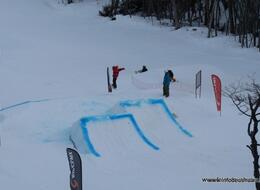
53, 61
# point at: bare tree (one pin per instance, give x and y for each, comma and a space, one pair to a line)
246, 98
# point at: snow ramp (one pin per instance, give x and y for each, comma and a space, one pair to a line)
123, 127
159, 123
163, 105
113, 132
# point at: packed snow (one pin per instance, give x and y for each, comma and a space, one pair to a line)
53, 61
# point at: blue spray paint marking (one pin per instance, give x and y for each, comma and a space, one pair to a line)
166, 109
130, 103
161, 102
23, 103
86, 120
83, 123
137, 128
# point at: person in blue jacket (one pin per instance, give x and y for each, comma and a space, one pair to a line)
167, 79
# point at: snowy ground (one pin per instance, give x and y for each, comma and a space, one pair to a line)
53, 60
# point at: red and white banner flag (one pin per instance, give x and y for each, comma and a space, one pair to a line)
217, 89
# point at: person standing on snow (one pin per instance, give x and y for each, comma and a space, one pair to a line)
167, 79
116, 71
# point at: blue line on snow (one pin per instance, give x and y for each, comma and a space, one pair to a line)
129, 103
137, 128
86, 120
23, 103
84, 129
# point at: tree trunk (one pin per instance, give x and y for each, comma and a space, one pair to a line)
254, 145
211, 17
231, 16
206, 13
175, 14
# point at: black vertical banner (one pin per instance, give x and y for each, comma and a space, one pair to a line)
75, 169
108, 81
198, 84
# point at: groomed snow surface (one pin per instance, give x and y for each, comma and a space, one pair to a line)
53, 61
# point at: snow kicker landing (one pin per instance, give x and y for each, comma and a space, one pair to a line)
161, 102
81, 139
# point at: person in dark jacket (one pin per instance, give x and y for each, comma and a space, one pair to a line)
144, 69
116, 71
167, 79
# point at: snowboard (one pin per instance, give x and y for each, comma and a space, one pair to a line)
108, 81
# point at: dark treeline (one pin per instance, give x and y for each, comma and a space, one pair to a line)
238, 17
